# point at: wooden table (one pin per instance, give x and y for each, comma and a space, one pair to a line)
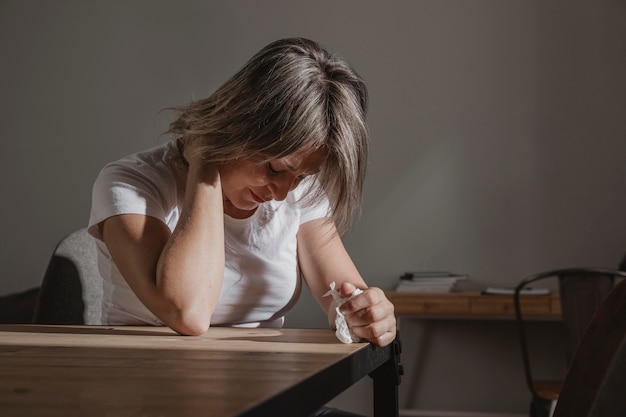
152, 371
474, 306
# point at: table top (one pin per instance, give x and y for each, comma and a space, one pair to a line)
152, 371
474, 305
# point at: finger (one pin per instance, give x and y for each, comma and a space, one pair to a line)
346, 289
370, 314
369, 297
380, 333
384, 339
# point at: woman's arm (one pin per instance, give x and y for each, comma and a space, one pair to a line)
323, 259
178, 275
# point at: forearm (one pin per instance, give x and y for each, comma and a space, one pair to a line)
190, 270
323, 259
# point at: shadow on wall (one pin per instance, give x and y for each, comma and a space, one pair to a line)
59, 300
18, 308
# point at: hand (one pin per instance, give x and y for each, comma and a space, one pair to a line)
369, 315
191, 149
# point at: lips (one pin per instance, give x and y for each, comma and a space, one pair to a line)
257, 198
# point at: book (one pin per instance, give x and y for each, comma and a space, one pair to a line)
428, 281
430, 275
511, 291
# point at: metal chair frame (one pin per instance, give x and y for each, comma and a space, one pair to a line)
547, 406
595, 381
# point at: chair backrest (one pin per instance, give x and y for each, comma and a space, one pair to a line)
622, 264
71, 291
582, 290
595, 381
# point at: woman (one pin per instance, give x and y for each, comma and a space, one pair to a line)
216, 226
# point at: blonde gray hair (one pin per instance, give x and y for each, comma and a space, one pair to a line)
291, 94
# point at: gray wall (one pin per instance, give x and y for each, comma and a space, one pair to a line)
498, 138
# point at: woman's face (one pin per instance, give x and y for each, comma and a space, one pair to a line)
248, 182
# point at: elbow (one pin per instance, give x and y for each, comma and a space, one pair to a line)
188, 323
192, 328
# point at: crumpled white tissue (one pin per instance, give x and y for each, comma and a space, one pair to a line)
343, 332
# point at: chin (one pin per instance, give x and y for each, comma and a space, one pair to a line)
243, 205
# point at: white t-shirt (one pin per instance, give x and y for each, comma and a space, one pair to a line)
261, 278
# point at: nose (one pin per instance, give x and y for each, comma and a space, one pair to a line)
281, 187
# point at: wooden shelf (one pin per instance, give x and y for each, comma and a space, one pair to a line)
474, 305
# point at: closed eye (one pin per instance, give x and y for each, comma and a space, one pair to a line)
271, 169
274, 172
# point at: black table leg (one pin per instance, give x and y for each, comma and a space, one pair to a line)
386, 380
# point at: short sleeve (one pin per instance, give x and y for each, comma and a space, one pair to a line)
121, 190
317, 210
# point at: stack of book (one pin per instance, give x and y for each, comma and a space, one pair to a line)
429, 281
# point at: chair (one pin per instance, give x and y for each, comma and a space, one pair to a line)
595, 381
71, 291
582, 290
